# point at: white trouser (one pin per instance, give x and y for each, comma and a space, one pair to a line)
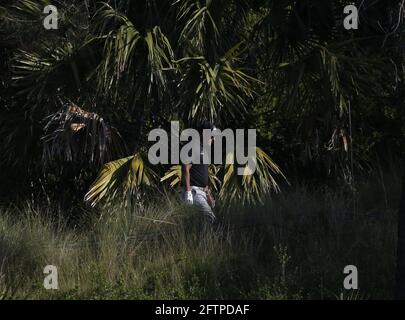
200, 201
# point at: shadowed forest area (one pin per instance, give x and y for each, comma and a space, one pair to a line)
77, 190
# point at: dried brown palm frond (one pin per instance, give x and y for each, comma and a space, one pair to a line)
76, 135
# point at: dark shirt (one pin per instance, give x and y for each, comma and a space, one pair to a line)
199, 173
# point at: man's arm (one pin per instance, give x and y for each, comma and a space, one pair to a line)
186, 173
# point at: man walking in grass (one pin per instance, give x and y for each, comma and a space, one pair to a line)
195, 178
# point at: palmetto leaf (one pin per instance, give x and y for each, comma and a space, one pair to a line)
20, 10
33, 72
138, 59
249, 188
311, 71
80, 136
40, 76
124, 178
246, 188
174, 175
54, 64
212, 91
199, 28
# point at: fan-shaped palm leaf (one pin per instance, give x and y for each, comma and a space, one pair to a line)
199, 26
174, 175
249, 188
122, 178
130, 56
214, 91
80, 136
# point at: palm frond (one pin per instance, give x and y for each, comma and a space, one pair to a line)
212, 91
76, 135
39, 76
174, 175
246, 188
249, 188
123, 178
131, 57
199, 27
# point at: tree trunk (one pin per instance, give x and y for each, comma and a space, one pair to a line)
400, 63
400, 272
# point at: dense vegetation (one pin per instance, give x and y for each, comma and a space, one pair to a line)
294, 247
77, 103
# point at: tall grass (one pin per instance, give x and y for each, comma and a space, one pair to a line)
295, 246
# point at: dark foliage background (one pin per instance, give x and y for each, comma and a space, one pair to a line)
327, 102
77, 104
